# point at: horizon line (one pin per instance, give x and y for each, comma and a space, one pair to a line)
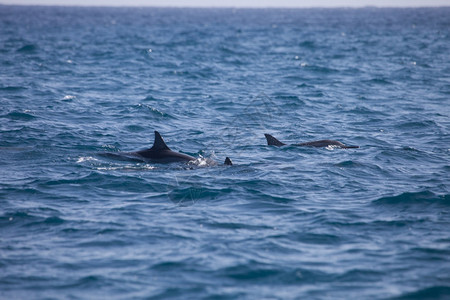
222, 6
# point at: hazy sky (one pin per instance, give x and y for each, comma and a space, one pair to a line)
238, 3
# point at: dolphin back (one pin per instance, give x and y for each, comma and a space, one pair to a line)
321, 143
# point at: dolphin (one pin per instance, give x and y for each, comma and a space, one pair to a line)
322, 143
161, 153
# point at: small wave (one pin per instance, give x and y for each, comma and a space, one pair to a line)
91, 178
191, 194
417, 125
355, 275
424, 197
97, 243
409, 148
201, 73
110, 148
381, 81
168, 265
244, 273
21, 116
151, 98
48, 221
304, 85
231, 51
434, 292
29, 220
237, 225
90, 281
364, 110
262, 273
308, 44
320, 69
10, 217
290, 101
348, 164
12, 88
151, 109
28, 48
135, 128
319, 239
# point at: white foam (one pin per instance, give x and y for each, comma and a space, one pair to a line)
69, 97
87, 158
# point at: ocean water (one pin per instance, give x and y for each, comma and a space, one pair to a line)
281, 223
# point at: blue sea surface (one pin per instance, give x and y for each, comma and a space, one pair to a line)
282, 222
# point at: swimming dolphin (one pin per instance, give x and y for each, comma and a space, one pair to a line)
322, 143
161, 153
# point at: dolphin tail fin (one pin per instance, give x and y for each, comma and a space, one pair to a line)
228, 161
159, 143
271, 141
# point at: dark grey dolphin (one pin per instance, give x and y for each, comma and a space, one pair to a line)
161, 153
322, 143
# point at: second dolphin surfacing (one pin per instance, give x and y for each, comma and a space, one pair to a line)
321, 143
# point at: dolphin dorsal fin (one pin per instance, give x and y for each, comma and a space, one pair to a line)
159, 143
271, 141
228, 161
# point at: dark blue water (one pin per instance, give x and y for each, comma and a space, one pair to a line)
281, 223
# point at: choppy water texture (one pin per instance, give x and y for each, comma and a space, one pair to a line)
281, 223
